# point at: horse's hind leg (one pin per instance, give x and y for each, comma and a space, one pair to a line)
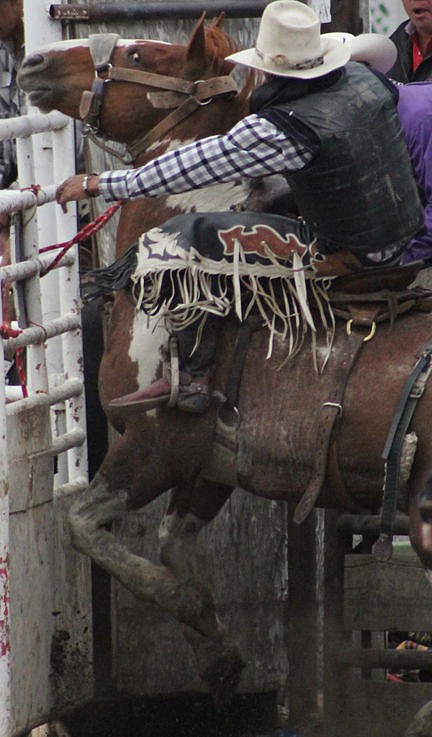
220, 666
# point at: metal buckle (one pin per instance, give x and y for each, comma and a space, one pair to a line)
368, 337
334, 404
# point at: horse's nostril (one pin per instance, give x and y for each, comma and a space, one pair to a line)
35, 60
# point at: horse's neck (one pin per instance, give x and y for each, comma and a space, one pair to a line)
140, 215
208, 120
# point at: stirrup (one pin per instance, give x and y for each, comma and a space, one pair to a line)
196, 397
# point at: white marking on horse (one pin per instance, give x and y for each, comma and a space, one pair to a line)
145, 346
72, 43
217, 198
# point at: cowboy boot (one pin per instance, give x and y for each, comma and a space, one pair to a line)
193, 392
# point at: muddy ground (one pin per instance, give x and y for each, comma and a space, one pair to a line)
185, 715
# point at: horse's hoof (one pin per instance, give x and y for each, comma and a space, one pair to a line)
223, 677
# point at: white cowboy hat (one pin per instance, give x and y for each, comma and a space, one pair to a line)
289, 44
373, 49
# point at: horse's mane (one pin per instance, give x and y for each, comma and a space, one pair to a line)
219, 45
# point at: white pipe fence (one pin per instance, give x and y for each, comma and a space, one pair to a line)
50, 325
45, 370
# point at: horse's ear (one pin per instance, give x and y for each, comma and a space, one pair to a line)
219, 21
196, 50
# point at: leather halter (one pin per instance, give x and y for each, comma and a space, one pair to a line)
181, 95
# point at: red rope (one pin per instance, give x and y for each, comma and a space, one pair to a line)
35, 188
86, 232
19, 361
6, 330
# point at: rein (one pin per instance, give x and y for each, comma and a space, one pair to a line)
181, 95
86, 232
412, 392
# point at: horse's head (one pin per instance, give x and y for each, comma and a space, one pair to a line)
128, 85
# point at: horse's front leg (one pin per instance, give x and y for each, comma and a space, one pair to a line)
220, 665
173, 583
90, 519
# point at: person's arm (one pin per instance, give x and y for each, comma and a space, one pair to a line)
415, 114
255, 147
420, 148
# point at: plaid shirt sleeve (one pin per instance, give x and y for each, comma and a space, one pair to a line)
255, 147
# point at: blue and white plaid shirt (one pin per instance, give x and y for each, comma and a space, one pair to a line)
253, 148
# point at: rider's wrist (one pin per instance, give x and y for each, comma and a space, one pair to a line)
89, 187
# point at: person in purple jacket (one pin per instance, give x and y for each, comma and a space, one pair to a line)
415, 114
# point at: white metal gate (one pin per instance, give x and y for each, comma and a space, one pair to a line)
45, 596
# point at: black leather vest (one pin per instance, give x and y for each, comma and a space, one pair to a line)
359, 192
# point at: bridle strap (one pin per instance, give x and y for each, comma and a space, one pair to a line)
164, 126
203, 89
101, 47
137, 76
192, 103
126, 159
198, 93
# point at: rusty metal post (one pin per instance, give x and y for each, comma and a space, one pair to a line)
345, 13
155, 9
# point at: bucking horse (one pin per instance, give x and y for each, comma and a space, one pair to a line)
290, 430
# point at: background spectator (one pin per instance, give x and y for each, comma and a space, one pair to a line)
413, 39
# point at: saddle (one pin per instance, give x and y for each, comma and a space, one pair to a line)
365, 298
362, 297
380, 294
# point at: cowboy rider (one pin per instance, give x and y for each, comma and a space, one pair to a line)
329, 125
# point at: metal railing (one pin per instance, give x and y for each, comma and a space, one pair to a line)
56, 294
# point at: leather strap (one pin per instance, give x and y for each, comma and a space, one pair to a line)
411, 393
221, 466
338, 486
164, 126
246, 329
174, 372
91, 104
101, 47
198, 93
407, 390
330, 411
202, 90
205, 90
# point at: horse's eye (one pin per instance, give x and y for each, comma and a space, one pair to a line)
134, 56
